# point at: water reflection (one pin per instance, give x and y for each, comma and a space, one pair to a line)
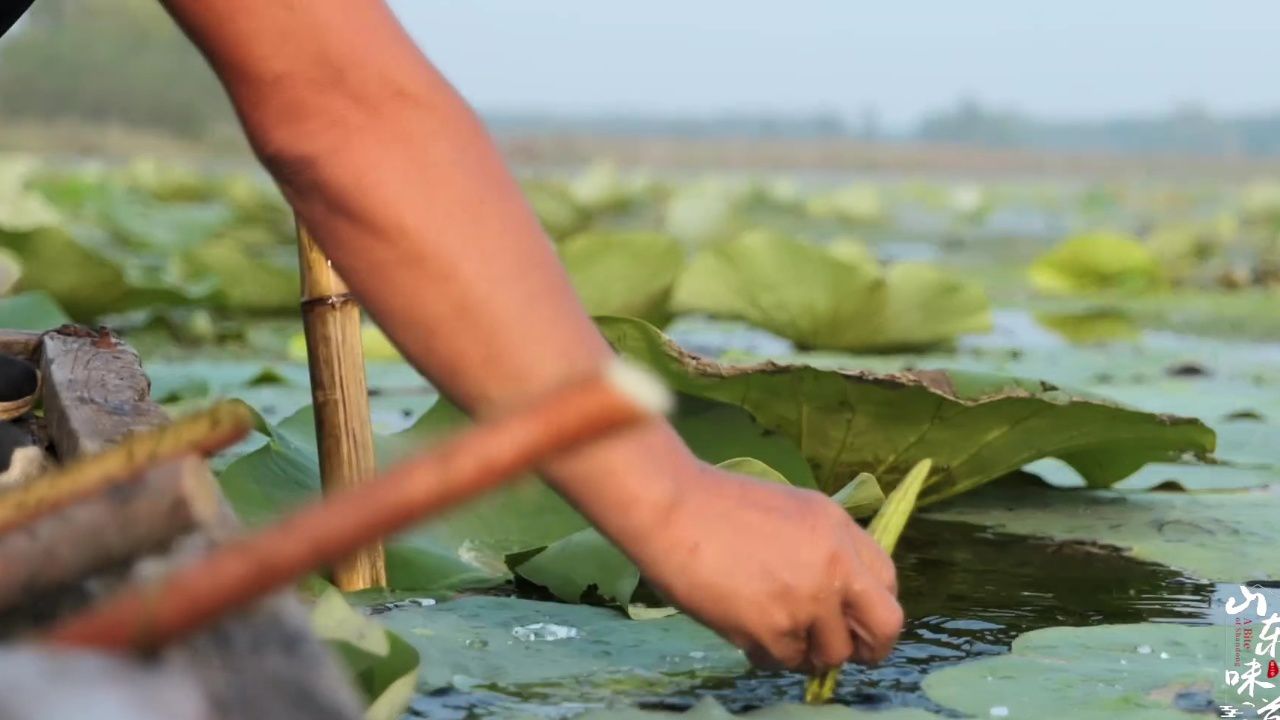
968, 593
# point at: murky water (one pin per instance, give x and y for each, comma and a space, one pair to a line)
968, 592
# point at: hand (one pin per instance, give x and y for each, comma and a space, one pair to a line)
782, 573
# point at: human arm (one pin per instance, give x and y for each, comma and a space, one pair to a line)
400, 184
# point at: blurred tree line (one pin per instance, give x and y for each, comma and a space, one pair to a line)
108, 61
1189, 128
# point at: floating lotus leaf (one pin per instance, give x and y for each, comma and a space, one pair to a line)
1223, 537
819, 298
1098, 261
698, 213
556, 210
857, 204
709, 709
1138, 672
33, 310
384, 666
623, 273
975, 426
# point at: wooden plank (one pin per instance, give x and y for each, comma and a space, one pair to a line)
140, 516
263, 663
95, 392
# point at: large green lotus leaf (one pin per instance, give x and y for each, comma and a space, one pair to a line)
1097, 261
719, 432
253, 272
788, 287
384, 666
928, 305
624, 273
465, 547
34, 310
1144, 672
90, 275
709, 709
975, 426
1223, 537
21, 208
561, 652
816, 297
559, 215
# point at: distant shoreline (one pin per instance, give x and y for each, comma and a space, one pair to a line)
547, 151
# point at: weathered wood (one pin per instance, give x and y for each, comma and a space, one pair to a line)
90, 475
41, 683
261, 663
137, 517
95, 392
340, 397
20, 344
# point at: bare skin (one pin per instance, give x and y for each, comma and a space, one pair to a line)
407, 194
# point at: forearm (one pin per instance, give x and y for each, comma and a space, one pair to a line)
401, 186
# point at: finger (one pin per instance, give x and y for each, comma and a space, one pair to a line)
875, 617
783, 645
830, 640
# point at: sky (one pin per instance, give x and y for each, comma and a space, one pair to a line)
1083, 59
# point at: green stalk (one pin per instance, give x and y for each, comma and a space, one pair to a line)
886, 527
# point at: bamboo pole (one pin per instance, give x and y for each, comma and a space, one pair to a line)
149, 615
340, 398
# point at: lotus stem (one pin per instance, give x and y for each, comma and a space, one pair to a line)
148, 615
885, 528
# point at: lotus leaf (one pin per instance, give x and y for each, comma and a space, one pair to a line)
975, 426
709, 709
1098, 261
819, 298
1223, 537
33, 310
858, 204
623, 273
1143, 672
384, 666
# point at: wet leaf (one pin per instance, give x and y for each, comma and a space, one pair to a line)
975, 426
1099, 672
1223, 537
564, 653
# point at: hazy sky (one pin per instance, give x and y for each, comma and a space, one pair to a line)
1083, 58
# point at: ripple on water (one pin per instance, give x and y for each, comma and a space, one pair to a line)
968, 592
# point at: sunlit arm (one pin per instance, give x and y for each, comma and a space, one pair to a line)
402, 187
